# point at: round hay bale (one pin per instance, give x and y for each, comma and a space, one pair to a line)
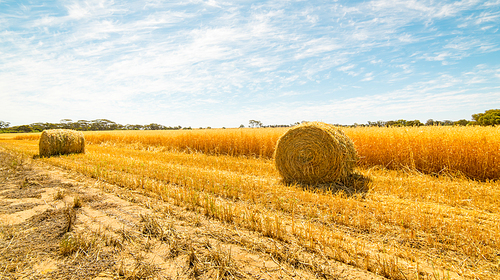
314, 153
60, 142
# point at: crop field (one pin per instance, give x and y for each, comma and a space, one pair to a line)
425, 204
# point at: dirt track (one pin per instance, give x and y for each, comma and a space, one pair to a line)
61, 225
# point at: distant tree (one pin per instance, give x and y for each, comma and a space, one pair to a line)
396, 123
489, 117
81, 125
66, 123
254, 123
242, 126
430, 122
23, 128
462, 122
134, 127
414, 123
401, 122
154, 126
4, 124
103, 124
377, 123
38, 127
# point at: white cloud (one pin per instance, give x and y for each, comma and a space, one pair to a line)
316, 47
368, 77
346, 67
487, 17
155, 56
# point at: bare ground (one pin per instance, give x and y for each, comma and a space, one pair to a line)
56, 224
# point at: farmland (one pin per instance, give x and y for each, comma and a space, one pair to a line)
424, 205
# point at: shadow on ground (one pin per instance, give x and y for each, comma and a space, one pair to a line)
354, 184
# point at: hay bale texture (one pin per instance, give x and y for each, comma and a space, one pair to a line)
60, 142
314, 153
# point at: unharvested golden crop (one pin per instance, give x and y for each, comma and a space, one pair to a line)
471, 151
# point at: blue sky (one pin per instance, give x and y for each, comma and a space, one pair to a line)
216, 63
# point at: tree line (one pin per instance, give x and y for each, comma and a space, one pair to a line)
489, 117
83, 125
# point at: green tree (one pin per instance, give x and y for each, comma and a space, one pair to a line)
254, 123
23, 128
66, 123
154, 126
430, 122
489, 117
396, 123
82, 125
103, 124
4, 124
462, 122
414, 123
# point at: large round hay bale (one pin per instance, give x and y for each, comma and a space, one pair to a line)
314, 153
60, 142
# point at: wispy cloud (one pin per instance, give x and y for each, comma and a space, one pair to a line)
368, 77
195, 62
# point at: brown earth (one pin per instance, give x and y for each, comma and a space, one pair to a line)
56, 224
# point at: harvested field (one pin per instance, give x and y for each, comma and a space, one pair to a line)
148, 208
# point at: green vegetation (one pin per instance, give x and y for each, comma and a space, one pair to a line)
82, 125
490, 117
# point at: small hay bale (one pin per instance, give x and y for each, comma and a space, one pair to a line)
314, 153
60, 142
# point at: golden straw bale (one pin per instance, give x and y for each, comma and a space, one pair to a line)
61, 141
315, 153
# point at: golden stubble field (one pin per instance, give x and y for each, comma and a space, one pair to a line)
430, 210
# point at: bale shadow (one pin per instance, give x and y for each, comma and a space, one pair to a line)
38, 156
354, 184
